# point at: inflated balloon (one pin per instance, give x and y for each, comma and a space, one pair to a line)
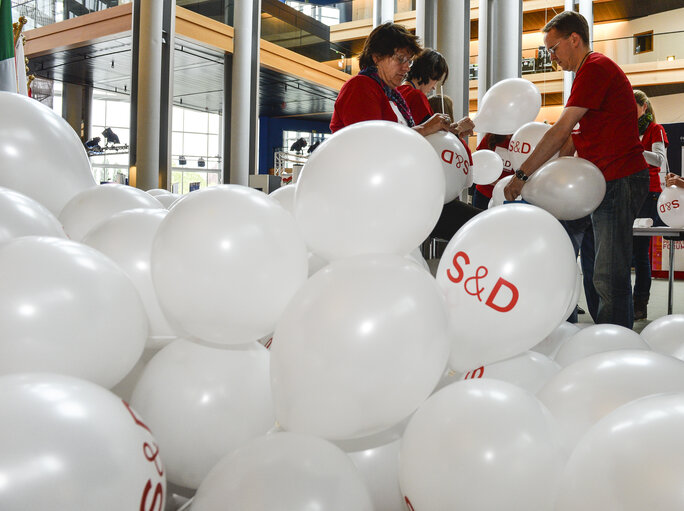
127, 239
508, 105
156, 192
284, 471
168, 199
331, 370
503, 267
598, 339
41, 155
572, 304
21, 215
94, 205
226, 392
225, 262
379, 468
525, 140
373, 187
70, 444
666, 335
671, 206
417, 256
285, 196
584, 392
498, 197
67, 308
555, 339
631, 460
487, 167
569, 188
316, 262
455, 162
124, 389
529, 370
478, 445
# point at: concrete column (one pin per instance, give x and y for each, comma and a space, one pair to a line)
568, 76
383, 10
453, 42
76, 108
429, 39
500, 43
166, 96
586, 9
245, 92
420, 21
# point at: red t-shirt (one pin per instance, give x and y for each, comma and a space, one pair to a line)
361, 99
654, 133
501, 149
608, 135
417, 102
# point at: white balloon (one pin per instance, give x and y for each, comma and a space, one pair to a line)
126, 238
591, 388
92, 206
316, 263
631, 460
487, 167
666, 335
454, 160
225, 392
225, 262
41, 155
525, 140
671, 206
552, 343
285, 196
569, 188
508, 105
284, 471
574, 299
124, 389
417, 256
69, 444
156, 192
21, 215
67, 308
480, 444
373, 187
529, 371
359, 347
503, 267
168, 199
598, 339
498, 193
379, 467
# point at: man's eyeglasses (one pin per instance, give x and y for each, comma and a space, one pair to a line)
552, 50
402, 59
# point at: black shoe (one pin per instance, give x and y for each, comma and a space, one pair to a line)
580, 310
640, 310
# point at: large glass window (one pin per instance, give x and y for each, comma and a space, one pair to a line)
110, 122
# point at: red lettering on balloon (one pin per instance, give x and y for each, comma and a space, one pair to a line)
135, 417
525, 148
450, 154
497, 287
151, 452
458, 268
675, 204
477, 373
408, 504
157, 497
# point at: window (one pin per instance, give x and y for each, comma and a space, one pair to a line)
643, 42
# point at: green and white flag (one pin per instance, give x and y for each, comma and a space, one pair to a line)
8, 70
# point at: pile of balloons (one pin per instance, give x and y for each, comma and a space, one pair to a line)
294, 351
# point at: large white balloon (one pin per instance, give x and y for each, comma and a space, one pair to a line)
455, 162
92, 206
41, 155
552, 343
498, 197
168, 199
67, 308
671, 206
631, 460
508, 105
225, 262
284, 471
589, 389
156, 192
525, 140
487, 167
508, 275
68, 444
666, 335
203, 403
379, 467
480, 444
285, 195
569, 188
598, 339
20, 215
373, 187
127, 238
359, 347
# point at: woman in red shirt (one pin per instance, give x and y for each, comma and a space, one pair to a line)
654, 139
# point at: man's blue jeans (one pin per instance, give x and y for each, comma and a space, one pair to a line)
612, 222
582, 237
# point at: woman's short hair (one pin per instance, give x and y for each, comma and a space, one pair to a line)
384, 40
642, 99
568, 22
436, 105
429, 65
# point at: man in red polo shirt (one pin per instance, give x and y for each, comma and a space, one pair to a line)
602, 102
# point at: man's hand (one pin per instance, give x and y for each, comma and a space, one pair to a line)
513, 188
674, 179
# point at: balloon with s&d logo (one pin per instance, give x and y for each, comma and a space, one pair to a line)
508, 276
507, 105
455, 162
525, 140
671, 206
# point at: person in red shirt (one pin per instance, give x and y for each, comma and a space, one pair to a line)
602, 102
654, 139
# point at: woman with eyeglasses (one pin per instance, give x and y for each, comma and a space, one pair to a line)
386, 58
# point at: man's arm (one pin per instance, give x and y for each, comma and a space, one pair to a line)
552, 141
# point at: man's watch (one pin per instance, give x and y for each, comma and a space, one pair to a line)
521, 175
